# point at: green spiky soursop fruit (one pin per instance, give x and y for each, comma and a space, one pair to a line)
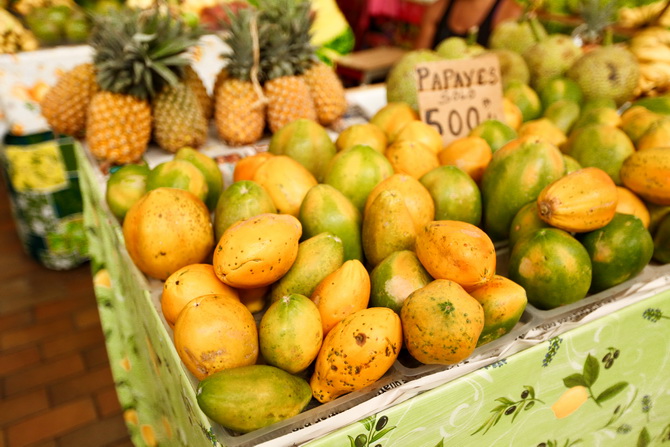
458, 48
400, 82
513, 67
517, 36
550, 59
606, 72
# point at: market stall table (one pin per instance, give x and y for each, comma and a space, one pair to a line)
592, 372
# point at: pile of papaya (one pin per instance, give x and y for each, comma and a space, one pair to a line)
306, 277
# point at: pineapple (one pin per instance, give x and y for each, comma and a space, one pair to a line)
14, 37
239, 109
136, 53
239, 114
220, 77
325, 87
289, 99
66, 103
193, 80
118, 127
178, 118
597, 16
327, 91
286, 54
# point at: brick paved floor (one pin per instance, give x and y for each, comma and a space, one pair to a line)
56, 388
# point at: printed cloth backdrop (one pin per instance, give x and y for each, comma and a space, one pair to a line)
43, 186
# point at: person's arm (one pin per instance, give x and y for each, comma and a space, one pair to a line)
429, 22
509, 10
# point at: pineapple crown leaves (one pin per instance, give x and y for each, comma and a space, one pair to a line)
288, 50
284, 39
139, 52
597, 14
240, 39
597, 17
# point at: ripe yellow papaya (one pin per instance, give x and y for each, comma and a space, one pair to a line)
287, 182
581, 201
343, 292
457, 251
647, 174
356, 352
256, 252
629, 203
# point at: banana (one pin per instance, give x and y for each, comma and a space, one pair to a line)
13, 36
660, 34
651, 54
641, 15
654, 79
657, 72
25, 7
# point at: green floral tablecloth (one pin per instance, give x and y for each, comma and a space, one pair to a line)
608, 382
592, 378
155, 393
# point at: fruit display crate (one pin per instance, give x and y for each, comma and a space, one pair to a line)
593, 372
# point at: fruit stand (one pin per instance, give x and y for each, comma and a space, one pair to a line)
469, 263
516, 387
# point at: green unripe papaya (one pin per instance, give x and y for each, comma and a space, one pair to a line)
324, 208
317, 257
209, 168
250, 397
241, 200
307, 142
387, 227
125, 187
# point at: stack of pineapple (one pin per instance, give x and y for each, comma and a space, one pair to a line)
272, 75
139, 85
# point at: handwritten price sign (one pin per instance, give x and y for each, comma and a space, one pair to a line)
457, 95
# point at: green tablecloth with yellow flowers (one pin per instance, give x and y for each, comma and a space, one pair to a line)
596, 376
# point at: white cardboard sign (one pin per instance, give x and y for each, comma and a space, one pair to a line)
456, 95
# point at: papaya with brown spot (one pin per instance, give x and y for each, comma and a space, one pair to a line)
213, 333
356, 352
